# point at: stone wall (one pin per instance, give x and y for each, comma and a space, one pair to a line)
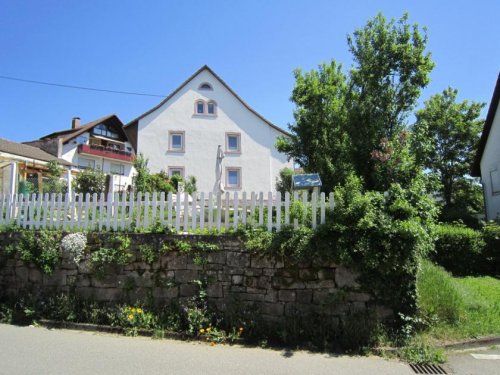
271, 286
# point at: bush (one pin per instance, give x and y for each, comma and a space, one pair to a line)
90, 181
491, 253
458, 249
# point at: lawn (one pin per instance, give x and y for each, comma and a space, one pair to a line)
457, 308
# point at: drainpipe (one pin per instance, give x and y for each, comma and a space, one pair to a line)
13, 178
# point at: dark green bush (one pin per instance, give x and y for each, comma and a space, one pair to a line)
458, 249
491, 253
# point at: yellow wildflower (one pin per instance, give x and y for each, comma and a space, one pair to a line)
241, 329
132, 309
202, 330
209, 329
130, 317
139, 310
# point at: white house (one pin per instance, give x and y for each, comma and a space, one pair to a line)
181, 135
101, 144
487, 162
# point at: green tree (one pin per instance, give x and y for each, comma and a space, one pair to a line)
445, 137
90, 181
53, 182
341, 119
319, 141
284, 182
142, 178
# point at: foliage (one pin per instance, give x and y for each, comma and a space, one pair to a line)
380, 235
446, 135
116, 251
341, 119
74, 244
419, 352
190, 185
53, 183
491, 252
458, 249
38, 247
90, 181
134, 318
284, 182
142, 177
159, 182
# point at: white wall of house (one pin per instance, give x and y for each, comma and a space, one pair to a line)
490, 170
259, 162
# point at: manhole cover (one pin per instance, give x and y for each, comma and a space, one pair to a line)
428, 369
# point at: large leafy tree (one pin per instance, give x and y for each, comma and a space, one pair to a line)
319, 141
341, 119
445, 136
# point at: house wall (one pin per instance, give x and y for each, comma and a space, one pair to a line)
259, 161
490, 170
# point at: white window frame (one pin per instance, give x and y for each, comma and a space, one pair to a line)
80, 166
121, 168
233, 186
230, 150
171, 134
172, 169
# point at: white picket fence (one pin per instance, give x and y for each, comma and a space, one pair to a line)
182, 212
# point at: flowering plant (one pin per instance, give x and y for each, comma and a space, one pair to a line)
74, 244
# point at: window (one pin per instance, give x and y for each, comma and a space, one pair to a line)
233, 178
176, 171
81, 140
105, 131
203, 108
495, 181
117, 169
84, 163
233, 143
176, 141
205, 86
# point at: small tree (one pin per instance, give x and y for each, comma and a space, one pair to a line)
53, 183
142, 179
90, 181
284, 182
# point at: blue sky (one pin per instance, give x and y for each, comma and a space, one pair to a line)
153, 46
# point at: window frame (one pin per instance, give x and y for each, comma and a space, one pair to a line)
205, 86
214, 103
238, 137
86, 167
122, 168
173, 168
229, 186
171, 133
202, 102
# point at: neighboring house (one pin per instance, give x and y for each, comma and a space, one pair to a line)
101, 144
21, 162
181, 135
487, 162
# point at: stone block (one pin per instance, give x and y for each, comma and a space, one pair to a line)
326, 274
107, 294
214, 291
237, 289
286, 283
262, 262
188, 290
304, 296
271, 296
185, 276
273, 309
356, 307
22, 274
240, 260
56, 278
178, 262
287, 295
346, 278
35, 276
358, 297
307, 274
257, 297
82, 281
237, 279
218, 257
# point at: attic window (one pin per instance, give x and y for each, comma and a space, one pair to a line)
105, 131
205, 86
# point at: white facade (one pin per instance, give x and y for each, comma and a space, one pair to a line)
177, 139
490, 169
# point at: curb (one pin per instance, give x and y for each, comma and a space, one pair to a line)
484, 341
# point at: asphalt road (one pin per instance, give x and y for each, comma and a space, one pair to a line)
475, 362
29, 350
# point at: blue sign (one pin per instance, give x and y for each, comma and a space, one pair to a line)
306, 181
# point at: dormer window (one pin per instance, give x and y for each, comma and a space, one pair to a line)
205, 86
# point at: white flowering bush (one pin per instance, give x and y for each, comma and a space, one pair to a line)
74, 244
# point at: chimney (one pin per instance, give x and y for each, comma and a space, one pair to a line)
75, 122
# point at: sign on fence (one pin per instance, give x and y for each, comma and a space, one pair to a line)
182, 212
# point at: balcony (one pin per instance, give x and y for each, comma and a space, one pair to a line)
105, 152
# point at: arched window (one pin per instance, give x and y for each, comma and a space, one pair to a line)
199, 107
205, 86
211, 108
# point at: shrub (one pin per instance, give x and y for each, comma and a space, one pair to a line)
74, 244
90, 181
491, 253
458, 249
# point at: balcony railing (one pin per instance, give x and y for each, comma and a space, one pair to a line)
105, 152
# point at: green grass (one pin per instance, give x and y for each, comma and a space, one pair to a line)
457, 308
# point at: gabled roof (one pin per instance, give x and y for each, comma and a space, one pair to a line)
476, 166
29, 152
207, 68
67, 135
